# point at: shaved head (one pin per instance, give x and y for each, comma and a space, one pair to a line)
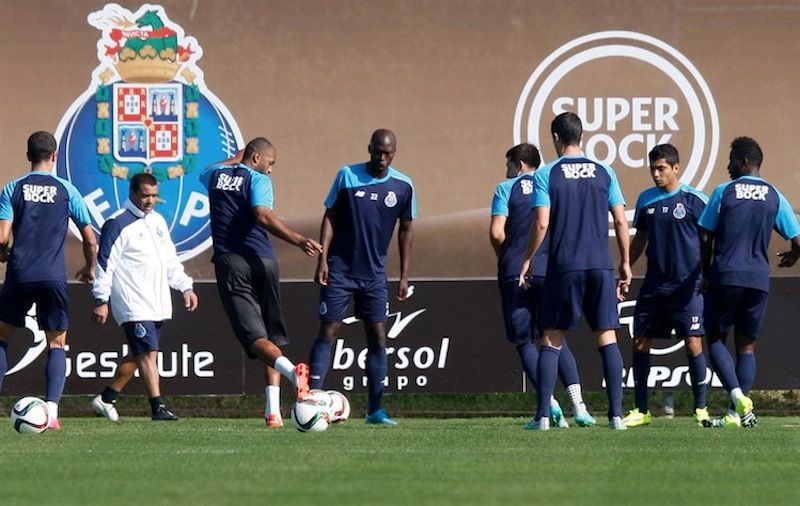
383, 136
382, 146
257, 145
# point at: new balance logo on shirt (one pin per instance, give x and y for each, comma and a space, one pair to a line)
578, 170
751, 191
226, 182
44, 194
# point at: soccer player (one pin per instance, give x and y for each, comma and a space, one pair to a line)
666, 224
35, 209
739, 218
508, 233
362, 208
241, 199
137, 265
572, 198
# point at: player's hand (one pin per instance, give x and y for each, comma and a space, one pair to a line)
190, 300
523, 273
403, 290
100, 314
788, 259
85, 274
321, 276
624, 283
310, 247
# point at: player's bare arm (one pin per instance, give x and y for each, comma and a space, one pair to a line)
789, 258
267, 219
5, 239
638, 245
706, 256
497, 233
539, 227
86, 273
405, 241
325, 239
623, 243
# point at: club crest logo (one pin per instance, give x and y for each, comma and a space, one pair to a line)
147, 109
390, 200
679, 212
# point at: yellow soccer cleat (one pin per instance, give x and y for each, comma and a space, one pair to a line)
701, 415
636, 418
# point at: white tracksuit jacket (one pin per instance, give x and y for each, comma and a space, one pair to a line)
136, 266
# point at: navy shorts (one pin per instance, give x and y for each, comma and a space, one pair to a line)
142, 336
568, 294
521, 309
51, 299
658, 314
371, 298
735, 306
249, 288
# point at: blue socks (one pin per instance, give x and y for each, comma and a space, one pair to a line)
567, 367
376, 372
697, 371
546, 379
641, 370
320, 361
612, 372
529, 356
746, 370
55, 374
722, 362
3, 362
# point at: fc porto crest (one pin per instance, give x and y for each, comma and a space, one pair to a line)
147, 109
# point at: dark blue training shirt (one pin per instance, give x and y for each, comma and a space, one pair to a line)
579, 193
233, 192
366, 210
742, 214
673, 236
39, 206
512, 199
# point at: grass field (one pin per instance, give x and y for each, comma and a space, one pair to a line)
423, 461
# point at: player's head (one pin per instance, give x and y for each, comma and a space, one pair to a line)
566, 130
144, 191
41, 147
665, 166
745, 158
521, 158
260, 155
382, 147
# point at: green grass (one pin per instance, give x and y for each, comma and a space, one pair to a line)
423, 461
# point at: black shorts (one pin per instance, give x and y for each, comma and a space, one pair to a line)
142, 336
249, 289
51, 299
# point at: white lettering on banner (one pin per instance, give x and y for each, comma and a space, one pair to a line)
43, 194
196, 207
97, 209
751, 191
183, 363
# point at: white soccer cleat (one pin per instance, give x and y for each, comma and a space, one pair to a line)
106, 409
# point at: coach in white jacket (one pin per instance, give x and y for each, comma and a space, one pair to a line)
137, 266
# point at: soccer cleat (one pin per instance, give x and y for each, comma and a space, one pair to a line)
380, 417
541, 424
53, 424
557, 417
106, 409
584, 419
729, 421
301, 372
749, 419
701, 415
274, 421
162, 413
616, 423
636, 418
744, 408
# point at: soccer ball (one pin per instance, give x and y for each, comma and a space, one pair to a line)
322, 399
309, 415
340, 407
30, 415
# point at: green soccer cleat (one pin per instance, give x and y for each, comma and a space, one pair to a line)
729, 421
701, 415
584, 419
540, 424
636, 418
557, 417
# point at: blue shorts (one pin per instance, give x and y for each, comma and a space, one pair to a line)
142, 336
521, 309
51, 299
568, 294
658, 314
371, 298
729, 306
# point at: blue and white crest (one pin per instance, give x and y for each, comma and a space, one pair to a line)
679, 212
139, 330
147, 109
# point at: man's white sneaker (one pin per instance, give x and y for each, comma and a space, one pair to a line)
106, 409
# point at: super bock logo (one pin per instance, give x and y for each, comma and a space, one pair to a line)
147, 109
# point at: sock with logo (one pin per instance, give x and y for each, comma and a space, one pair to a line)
746, 370
529, 356
612, 372
641, 370
155, 403
722, 362
109, 395
575, 395
547, 375
3, 362
376, 372
567, 367
55, 373
697, 371
319, 362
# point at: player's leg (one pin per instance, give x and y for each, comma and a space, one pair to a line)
144, 339
689, 325
568, 373
15, 301
272, 413
698, 372
271, 309
104, 404
52, 300
6, 331
519, 324
333, 301
547, 375
372, 307
322, 351
749, 323
640, 414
